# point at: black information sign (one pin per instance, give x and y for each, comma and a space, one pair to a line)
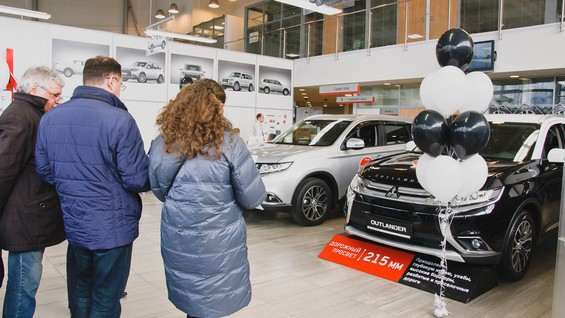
463, 282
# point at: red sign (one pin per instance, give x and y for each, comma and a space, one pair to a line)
367, 257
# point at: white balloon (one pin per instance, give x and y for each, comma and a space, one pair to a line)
4, 74
444, 178
421, 169
480, 92
475, 173
426, 91
449, 89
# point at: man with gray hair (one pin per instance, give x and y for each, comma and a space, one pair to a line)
30, 212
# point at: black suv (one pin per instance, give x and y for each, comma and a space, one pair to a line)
500, 224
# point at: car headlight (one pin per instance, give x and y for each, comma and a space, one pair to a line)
273, 167
480, 197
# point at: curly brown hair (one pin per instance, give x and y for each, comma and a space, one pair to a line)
193, 123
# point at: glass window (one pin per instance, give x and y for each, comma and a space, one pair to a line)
397, 134
560, 90
384, 22
523, 13
510, 141
479, 15
524, 92
354, 27
552, 140
313, 132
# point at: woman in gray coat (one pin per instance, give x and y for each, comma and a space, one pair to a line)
205, 176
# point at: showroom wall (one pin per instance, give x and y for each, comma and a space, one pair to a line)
38, 43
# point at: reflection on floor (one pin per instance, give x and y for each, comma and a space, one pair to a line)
289, 280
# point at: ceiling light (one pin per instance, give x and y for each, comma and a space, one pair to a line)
301, 89
306, 4
415, 36
25, 12
160, 22
160, 14
213, 4
180, 36
386, 84
304, 93
514, 76
174, 9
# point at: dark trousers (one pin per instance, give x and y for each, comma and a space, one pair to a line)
101, 278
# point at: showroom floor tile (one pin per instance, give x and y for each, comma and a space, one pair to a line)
289, 280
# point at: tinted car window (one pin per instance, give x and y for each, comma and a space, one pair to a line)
314, 133
552, 140
510, 141
396, 134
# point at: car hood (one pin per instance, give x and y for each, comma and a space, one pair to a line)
401, 170
278, 152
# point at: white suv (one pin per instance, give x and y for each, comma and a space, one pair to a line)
143, 71
237, 80
271, 85
308, 168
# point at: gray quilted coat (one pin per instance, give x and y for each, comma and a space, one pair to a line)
203, 233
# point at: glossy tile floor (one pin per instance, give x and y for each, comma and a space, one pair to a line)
289, 280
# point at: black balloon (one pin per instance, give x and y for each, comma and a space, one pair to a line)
430, 132
455, 47
469, 134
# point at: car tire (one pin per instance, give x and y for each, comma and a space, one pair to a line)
125, 79
517, 247
142, 78
250, 87
312, 202
68, 72
163, 45
286, 92
267, 90
160, 79
236, 86
151, 48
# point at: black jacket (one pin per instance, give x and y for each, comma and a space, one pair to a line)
30, 212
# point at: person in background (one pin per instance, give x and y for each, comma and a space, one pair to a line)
237, 131
30, 212
91, 149
257, 130
203, 233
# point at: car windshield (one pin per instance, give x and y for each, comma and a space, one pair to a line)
320, 132
138, 64
510, 141
191, 67
235, 74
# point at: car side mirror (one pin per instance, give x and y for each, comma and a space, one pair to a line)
355, 143
556, 155
411, 146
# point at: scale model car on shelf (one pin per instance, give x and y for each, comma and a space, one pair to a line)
499, 225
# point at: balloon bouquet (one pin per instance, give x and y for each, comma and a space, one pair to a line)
451, 166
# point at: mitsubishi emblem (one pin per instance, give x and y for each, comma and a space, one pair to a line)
392, 193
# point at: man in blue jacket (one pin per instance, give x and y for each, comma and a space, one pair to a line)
91, 149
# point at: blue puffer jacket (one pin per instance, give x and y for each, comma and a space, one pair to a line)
91, 149
203, 233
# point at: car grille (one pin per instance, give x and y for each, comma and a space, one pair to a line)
410, 208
